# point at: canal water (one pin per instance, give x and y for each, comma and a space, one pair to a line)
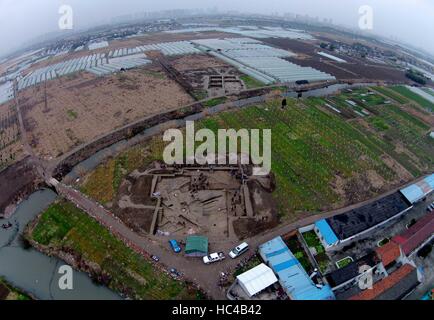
34, 272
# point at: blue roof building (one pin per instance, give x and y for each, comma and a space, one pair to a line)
419, 190
292, 276
325, 233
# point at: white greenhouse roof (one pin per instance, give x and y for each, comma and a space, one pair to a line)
256, 279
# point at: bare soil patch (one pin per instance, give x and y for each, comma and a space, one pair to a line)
80, 108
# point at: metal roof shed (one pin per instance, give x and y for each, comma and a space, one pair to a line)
257, 279
292, 276
327, 235
419, 190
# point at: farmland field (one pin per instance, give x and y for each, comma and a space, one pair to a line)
415, 97
63, 226
391, 94
320, 161
10, 146
87, 107
250, 82
403, 137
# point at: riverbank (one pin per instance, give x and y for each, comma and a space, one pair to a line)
8, 292
34, 272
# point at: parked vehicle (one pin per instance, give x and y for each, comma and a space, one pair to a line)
214, 257
239, 250
175, 273
7, 225
175, 246
155, 258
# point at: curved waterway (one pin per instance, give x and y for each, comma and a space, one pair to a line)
34, 272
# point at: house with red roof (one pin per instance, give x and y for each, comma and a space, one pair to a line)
389, 253
393, 287
417, 235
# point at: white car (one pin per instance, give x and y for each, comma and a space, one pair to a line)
239, 250
213, 257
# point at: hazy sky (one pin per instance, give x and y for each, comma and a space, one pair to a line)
408, 20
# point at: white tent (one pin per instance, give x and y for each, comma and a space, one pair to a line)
256, 279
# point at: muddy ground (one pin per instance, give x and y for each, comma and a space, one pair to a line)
133, 204
16, 183
354, 68
262, 202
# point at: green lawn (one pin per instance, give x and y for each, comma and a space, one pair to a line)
391, 94
415, 97
312, 241
321, 257
62, 225
344, 262
250, 82
103, 183
214, 102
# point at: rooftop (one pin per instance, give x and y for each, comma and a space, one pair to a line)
351, 270
388, 253
358, 220
416, 234
292, 277
418, 190
327, 232
257, 279
196, 245
393, 287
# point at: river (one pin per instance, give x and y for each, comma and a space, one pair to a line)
34, 272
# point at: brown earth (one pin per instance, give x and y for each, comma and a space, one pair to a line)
354, 68
11, 149
195, 62
82, 107
16, 182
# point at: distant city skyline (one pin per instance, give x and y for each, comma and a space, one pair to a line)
25, 20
